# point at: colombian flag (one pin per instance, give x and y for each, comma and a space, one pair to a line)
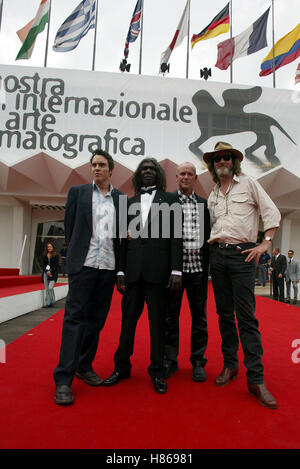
286, 49
219, 25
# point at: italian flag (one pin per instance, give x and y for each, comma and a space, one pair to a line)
34, 27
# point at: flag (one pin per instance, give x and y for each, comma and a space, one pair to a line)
38, 25
219, 25
297, 76
22, 33
135, 26
286, 50
249, 41
75, 27
180, 34
1, 8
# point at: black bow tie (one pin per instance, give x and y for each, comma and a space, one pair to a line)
147, 190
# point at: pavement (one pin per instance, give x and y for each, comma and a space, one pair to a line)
11, 330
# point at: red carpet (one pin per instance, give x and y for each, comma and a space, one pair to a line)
11, 283
131, 415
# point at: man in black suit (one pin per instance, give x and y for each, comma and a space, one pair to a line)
196, 231
278, 268
91, 231
150, 261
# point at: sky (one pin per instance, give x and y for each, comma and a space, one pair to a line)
161, 18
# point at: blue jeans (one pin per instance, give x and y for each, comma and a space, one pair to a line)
262, 274
49, 291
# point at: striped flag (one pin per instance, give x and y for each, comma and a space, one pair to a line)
75, 27
180, 34
297, 76
286, 50
135, 26
249, 41
219, 25
38, 25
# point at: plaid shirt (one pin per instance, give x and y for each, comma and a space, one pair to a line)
192, 254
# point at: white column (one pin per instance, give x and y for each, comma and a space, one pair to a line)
285, 235
17, 236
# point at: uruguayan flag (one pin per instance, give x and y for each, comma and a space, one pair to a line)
76, 26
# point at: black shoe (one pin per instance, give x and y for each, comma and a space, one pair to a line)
115, 378
169, 369
287, 301
63, 395
199, 374
160, 385
294, 302
89, 377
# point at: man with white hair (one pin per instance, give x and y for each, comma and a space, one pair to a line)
235, 204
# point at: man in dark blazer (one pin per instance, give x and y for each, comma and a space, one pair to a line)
278, 268
91, 231
150, 261
196, 231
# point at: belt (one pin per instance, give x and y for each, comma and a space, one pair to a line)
238, 247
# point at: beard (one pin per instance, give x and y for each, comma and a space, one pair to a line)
223, 171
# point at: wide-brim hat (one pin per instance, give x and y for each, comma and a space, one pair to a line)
222, 147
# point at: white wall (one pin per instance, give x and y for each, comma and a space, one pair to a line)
6, 235
295, 238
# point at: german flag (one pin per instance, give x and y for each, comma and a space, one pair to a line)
219, 25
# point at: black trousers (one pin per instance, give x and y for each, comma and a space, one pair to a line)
278, 287
134, 298
233, 282
194, 286
87, 305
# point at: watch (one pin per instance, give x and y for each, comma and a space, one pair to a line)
267, 238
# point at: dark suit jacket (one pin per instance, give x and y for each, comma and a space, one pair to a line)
79, 225
152, 258
279, 265
53, 267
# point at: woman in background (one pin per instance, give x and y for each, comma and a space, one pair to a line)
50, 274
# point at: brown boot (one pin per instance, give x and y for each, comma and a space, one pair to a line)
226, 376
263, 396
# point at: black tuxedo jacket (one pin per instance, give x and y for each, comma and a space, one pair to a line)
150, 257
279, 265
79, 225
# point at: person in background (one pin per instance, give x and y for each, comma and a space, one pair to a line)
235, 205
263, 264
50, 274
292, 277
194, 277
278, 268
63, 257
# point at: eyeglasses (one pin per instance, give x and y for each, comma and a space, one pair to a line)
225, 157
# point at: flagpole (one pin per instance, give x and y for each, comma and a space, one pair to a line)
188, 40
273, 40
47, 40
141, 40
95, 36
230, 19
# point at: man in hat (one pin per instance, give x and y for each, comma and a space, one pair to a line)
235, 204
